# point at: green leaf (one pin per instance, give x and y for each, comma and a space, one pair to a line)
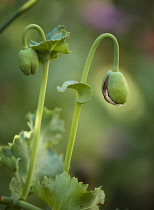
52, 126
6, 157
83, 90
57, 33
65, 193
54, 44
16, 155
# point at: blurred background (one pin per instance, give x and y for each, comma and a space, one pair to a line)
114, 145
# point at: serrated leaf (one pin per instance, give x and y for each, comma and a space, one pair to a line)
54, 44
57, 33
83, 90
16, 155
6, 158
52, 126
65, 193
11, 154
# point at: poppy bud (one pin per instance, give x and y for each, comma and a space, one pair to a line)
115, 88
28, 61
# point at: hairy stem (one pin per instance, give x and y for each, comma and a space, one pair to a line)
75, 120
36, 130
8, 201
18, 12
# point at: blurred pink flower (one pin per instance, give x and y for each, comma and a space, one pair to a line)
106, 16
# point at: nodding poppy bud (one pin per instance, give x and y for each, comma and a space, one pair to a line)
115, 88
28, 61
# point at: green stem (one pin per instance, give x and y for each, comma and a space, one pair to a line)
18, 12
36, 130
92, 51
25, 33
39, 110
8, 201
72, 137
76, 115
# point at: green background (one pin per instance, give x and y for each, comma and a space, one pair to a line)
114, 145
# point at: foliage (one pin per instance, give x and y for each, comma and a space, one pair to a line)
31, 155
54, 44
16, 155
65, 193
83, 91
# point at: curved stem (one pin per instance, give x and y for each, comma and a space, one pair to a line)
76, 115
39, 110
36, 130
25, 32
92, 51
18, 12
72, 137
8, 201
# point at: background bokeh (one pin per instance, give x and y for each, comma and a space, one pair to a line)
114, 145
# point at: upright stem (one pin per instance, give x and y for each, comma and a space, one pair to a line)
22, 204
72, 137
18, 12
77, 109
36, 130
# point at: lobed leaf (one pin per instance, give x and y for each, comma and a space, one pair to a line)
57, 33
83, 90
65, 193
54, 44
16, 155
52, 126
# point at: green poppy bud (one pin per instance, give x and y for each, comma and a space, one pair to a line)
115, 88
28, 61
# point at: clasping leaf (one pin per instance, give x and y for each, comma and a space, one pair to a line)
83, 90
54, 44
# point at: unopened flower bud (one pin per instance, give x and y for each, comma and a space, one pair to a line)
115, 88
28, 61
